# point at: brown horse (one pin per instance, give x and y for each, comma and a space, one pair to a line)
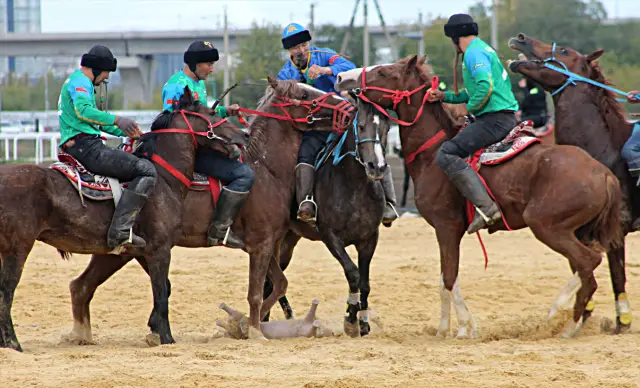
265, 216
588, 117
40, 204
538, 189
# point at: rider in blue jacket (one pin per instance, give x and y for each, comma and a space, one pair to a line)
318, 67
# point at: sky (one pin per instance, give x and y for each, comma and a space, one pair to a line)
149, 15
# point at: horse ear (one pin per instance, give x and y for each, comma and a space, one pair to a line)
412, 62
273, 82
594, 55
187, 97
422, 60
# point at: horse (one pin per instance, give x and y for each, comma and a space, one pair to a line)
535, 186
350, 202
588, 117
38, 203
275, 140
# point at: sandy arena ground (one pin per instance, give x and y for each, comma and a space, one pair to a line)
510, 301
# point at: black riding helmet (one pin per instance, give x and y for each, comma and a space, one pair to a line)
199, 52
460, 25
99, 59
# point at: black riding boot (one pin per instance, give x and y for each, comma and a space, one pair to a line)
121, 229
487, 212
305, 179
390, 214
228, 206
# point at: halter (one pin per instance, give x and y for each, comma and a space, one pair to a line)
209, 134
342, 112
396, 95
356, 154
573, 77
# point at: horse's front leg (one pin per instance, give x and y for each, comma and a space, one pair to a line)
365, 249
158, 264
258, 265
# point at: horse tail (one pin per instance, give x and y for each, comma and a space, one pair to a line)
606, 228
65, 255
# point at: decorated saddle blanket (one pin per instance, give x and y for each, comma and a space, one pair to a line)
99, 188
520, 138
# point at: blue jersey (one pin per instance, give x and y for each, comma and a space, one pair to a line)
324, 58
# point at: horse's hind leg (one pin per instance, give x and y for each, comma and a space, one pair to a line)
616, 258
336, 247
279, 285
563, 240
11, 266
82, 289
366, 249
287, 245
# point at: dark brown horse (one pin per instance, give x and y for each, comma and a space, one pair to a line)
265, 216
39, 203
588, 117
538, 189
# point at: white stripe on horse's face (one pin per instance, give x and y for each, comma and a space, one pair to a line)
377, 148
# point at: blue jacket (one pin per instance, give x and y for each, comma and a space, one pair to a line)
325, 58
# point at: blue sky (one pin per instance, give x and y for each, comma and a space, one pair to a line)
147, 15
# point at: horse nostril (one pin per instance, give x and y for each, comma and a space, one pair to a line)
339, 79
521, 37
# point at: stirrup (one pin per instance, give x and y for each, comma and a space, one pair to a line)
312, 220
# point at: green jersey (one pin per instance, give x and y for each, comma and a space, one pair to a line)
174, 89
77, 111
486, 82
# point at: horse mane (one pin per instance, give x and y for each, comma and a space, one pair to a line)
259, 124
611, 109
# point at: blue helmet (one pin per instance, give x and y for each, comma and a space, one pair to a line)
293, 35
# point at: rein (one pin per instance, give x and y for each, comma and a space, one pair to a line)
341, 112
337, 158
573, 77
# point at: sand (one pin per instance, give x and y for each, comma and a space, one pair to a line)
516, 347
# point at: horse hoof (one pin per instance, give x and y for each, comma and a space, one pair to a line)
153, 339
351, 329
255, 334
571, 329
365, 329
443, 333
623, 324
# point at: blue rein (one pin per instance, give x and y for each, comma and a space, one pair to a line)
573, 77
337, 158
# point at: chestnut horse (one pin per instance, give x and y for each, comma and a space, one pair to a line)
41, 204
589, 117
538, 189
264, 218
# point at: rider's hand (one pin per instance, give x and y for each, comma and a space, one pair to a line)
232, 110
315, 71
435, 95
633, 98
128, 126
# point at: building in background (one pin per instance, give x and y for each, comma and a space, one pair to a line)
21, 16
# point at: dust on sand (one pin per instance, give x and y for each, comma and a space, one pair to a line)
510, 301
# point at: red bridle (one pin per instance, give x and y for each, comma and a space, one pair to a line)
209, 134
398, 96
342, 113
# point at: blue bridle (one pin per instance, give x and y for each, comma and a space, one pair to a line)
572, 78
337, 158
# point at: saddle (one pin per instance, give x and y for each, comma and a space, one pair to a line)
521, 137
99, 188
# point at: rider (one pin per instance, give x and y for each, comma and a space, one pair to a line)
318, 67
534, 103
489, 97
80, 126
199, 59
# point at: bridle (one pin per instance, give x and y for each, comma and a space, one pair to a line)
342, 113
337, 158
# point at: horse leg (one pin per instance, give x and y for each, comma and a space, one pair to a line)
564, 241
159, 318
336, 247
280, 284
405, 185
11, 266
287, 245
449, 243
365, 250
82, 289
258, 265
616, 258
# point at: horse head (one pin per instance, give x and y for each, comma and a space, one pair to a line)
537, 56
370, 134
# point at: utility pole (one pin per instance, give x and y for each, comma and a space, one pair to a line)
494, 25
365, 38
421, 31
347, 35
311, 16
227, 57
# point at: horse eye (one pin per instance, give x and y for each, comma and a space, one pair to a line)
564, 51
304, 95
